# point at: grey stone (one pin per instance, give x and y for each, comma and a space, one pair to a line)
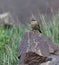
38, 43
6, 18
55, 60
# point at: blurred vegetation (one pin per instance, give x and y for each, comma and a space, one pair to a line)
51, 29
9, 43
10, 39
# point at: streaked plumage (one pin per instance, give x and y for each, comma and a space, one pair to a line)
35, 25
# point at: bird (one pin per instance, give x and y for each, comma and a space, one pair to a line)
35, 25
32, 58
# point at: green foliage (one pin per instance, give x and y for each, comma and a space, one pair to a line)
9, 43
51, 29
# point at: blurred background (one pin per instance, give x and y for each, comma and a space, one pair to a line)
19, 13
22, 10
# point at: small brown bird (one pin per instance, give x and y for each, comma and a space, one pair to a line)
35, 25
31, 58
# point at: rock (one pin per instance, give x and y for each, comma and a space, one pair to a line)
46, 63
55, 60
6, 18
31, 58
36, 42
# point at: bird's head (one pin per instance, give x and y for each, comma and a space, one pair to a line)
34, 22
